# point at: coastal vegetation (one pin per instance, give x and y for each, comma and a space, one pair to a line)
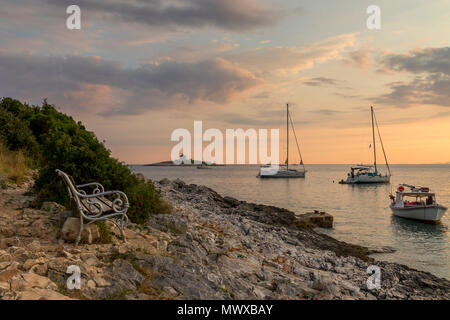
55, 140
14, 166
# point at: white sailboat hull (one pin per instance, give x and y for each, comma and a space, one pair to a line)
267, 173
367, 179
431, 214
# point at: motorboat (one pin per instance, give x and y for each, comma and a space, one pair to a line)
416, 203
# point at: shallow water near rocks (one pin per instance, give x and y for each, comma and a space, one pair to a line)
361, 213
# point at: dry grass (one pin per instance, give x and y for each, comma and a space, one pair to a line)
14, 165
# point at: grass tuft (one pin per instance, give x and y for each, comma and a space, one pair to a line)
14, 165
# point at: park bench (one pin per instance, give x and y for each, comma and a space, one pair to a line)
98, 205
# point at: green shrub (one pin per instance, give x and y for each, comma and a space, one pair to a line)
56, 141
146, 200
15, 129
105, 232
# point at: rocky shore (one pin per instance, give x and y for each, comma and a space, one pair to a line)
210, 247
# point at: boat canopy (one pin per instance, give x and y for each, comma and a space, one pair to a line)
417, 194
361, 167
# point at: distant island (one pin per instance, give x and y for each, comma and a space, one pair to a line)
183, 162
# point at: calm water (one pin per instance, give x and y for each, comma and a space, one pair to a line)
361, 213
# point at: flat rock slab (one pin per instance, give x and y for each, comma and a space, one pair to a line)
317, 219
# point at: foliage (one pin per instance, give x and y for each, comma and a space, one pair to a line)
56, 141
144, 196
15, 129
105, 231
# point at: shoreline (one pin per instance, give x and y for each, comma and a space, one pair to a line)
333, 263
209, 247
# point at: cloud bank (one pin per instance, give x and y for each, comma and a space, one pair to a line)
234, 15
64, 79
294, 59
431, 83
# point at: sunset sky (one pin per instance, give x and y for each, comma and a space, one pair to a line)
139, 69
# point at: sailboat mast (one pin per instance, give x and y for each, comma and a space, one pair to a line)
374, 148
287, 136
382, 145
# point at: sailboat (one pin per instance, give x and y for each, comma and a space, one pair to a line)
369, 173
205, 165
284, 171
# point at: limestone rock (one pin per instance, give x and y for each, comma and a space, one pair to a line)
171, 223
7, 275
62, 217
30, 263
7, 231
71, 228
5, 259
52, 207
9, 242
164, 181
27, 281
41, 294
123, 271
317, 219
34, 246
140, 176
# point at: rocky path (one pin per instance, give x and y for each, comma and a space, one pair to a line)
210, 247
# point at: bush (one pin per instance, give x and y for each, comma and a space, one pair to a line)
15, 127
145, 199
58, 142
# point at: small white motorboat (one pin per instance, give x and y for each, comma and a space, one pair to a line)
417, 203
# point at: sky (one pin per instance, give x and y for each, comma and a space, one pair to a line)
139, 69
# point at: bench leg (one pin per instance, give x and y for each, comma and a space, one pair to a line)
122, 232
124, 222
121, 223
81, 230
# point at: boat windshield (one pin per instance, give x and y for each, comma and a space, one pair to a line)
421, 199
361, 168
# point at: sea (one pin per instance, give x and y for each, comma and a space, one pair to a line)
361, 212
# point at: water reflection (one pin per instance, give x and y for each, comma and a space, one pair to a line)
418, 230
